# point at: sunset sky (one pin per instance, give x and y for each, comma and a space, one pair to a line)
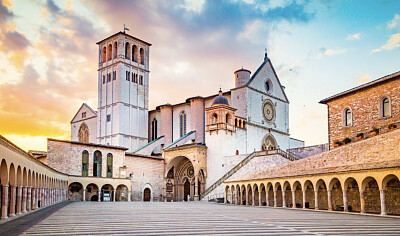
48, 54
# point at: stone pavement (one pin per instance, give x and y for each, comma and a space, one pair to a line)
157, 218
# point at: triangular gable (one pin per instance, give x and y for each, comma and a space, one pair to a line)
257, 80
90, 113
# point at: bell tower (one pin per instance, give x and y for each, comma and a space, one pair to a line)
123, 91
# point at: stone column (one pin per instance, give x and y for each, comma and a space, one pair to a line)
345, 201
24, 194
28, 197
196, 188
129, 196
316, 200
99, 196
260, 198
19, 200
84, 195
284, 198
13, 199
253, 198
304, 199
362, 198
226, 197
247, 197
4, 202
267, 197
275, 201
33, 206
114, 195
329, 200
294, 198
383, 204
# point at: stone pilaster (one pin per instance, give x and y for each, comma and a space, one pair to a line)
4, 202
13, 199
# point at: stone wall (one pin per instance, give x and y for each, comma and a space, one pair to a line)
66, 157
365, 108
303, 152
146, 172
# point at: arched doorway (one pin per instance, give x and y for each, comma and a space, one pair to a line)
75, 191
268, 143
186, 190
146, 195
121, 194
107, 193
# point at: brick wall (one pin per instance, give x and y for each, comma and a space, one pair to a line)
364, 104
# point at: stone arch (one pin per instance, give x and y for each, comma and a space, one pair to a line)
12, 175
135, 53
309, 195
227, 194
92, 192
336, 194
29, 178
24, 177
370, 192
279, 196
287, 192
391, 190
115, 50
243, 195
270, 194
142, 59
351, 191
322, 195
19, 176
256, 194
147, 198
263, 195
249, 197
75, 191
107, 190
83, 133
109, 52
182, 178
269, 143
122, 193
233, 194
298, 195
104, 54
127, 50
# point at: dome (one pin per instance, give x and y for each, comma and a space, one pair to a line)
220, 99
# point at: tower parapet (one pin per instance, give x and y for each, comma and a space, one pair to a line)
242, 76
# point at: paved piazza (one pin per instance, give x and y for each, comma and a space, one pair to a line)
192, 218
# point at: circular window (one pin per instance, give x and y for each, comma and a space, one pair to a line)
268, 86
269, 111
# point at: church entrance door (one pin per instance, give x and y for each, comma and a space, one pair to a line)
186, 190
146, 195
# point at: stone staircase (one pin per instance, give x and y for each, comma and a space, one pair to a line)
244, 162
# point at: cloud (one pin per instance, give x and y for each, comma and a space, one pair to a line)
354, 37
392, 43
330, 52
395, 22
362, 79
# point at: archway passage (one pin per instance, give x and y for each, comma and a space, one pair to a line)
371, 196
392, 194
322, 195
337, 195
353, 195
92, 192
186, 190
309, 195
146, 195
107, 193
75, 191
94, 198
121, 194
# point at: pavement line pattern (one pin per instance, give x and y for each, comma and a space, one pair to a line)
197, 218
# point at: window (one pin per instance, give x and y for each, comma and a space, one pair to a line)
114, 75
134, 78
83, 133
154, 129
386, 107
108, 118
109, 53
268, 86
83, 115
97, 164
134, 53
104, 54
141, 80
115, 50
109, 165
104, 79
269, 143
182, 123
142, 56
85, 163
215, 118
347, 117
127, 50
227, 118
108, 77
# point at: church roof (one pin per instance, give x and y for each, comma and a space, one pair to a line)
395, 75
149, 44
220, 99
86, 105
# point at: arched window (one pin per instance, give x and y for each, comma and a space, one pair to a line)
347, 117
104, 54
215, 118
236, 122
127, 50
109, 53
228, 118
182, 123
385, 107
134, 53
85, 163
83, 133
142, 56
240, 123
109, 165
237, 152
97, 164
115, 50
269, 143
154, 129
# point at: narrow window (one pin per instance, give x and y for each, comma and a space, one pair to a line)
127, 50
215, 118
115, 50
97, 164
154, 129
114, 75
104, 79
385, 107
182, 121
109, 165
347, 117
142, 56
108, 118
85, 163
104, 54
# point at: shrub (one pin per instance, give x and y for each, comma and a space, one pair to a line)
347, 140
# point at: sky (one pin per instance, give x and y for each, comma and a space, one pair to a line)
48, 54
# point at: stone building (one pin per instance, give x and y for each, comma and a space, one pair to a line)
360, 175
